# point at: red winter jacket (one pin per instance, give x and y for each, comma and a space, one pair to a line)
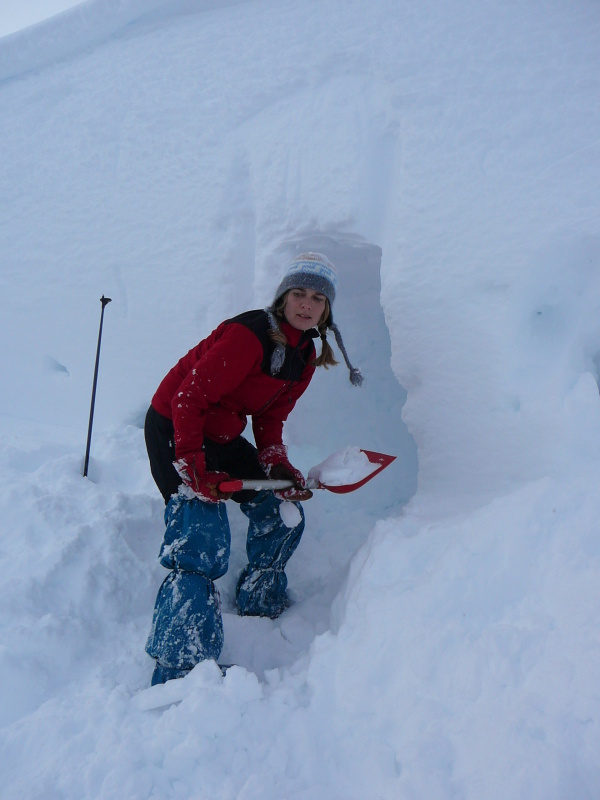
226, 378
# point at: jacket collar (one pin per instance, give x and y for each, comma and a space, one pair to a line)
294, 336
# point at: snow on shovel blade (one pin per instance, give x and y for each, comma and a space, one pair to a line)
380, 459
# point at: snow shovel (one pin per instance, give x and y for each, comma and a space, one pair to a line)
257, 485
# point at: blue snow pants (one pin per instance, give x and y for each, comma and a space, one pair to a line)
187, 626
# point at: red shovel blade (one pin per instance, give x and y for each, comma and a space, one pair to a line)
375, 458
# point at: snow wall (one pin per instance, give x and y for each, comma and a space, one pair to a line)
183, 196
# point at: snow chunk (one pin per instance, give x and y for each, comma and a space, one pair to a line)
289, 514
347, 466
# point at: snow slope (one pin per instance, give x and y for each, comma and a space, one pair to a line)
443, 642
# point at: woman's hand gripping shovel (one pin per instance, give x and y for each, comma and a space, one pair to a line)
376, 463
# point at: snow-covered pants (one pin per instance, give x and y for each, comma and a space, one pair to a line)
187, 626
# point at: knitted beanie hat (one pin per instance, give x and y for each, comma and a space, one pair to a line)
310, 271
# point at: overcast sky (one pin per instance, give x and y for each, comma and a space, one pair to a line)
17, 14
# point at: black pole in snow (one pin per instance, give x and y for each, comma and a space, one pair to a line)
104, 301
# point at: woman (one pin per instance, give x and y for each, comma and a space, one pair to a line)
257, 364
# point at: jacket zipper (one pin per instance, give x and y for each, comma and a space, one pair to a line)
272, 400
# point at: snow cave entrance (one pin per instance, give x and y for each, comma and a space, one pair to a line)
333, 413
330, 416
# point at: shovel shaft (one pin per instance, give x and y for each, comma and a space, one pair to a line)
259, 485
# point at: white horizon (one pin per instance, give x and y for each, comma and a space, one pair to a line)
17, 15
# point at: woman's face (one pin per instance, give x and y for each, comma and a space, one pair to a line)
303, 308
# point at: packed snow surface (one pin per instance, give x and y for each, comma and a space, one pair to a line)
443, 638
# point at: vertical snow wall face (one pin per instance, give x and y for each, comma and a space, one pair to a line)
181, 190
491, 250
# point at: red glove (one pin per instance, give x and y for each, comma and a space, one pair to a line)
275, 463
192, 471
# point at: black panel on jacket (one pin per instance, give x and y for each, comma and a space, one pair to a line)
296, 358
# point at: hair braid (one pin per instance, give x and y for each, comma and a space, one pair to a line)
326, 359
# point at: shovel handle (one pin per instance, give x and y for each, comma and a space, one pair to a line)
258, 485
